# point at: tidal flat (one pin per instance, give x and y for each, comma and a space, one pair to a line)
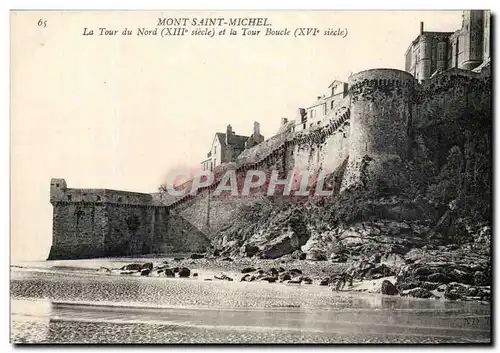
72, 302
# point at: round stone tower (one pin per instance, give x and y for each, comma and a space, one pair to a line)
424, 63
381, 108
442, 56
381, 102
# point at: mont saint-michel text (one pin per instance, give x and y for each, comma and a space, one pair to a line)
213, 21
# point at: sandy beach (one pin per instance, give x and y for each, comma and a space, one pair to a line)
71, 301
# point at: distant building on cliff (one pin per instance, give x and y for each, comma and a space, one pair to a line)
467, 48
315, 114
226, 147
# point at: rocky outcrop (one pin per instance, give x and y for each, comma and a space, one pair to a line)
282, 245
388, 288
151, 270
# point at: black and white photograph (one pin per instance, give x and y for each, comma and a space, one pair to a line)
251, 177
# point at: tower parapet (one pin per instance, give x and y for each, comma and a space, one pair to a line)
58, 188
381, 102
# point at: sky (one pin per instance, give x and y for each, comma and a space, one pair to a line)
121, 112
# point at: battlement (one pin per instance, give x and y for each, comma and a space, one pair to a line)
386, 81
59, 192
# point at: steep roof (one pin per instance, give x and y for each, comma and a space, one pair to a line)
335, 82
237, 141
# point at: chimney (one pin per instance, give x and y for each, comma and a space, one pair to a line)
301, 115
229, 132
256, 129
421, 27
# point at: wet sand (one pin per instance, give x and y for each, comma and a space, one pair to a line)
74, 304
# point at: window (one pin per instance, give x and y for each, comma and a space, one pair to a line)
331, 107
324, 108
215, 149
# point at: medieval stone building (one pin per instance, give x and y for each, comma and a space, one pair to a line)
315, 114
226, 147
467, 48
371, 118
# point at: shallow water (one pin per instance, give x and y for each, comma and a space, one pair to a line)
73, 304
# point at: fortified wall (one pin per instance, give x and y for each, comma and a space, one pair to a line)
374, 121
91, 223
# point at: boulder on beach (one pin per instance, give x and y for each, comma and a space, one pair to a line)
169, 272
418, 293
223, 277
147, 265
273, 272
307, 280
196, 256
480, 279
184, 272
284, 244
245, 278
388, 288
249, 250
438, 277
269, 279
379, 271
132, 267
429, 285
248, 270
127, 272
145, 272
285, 276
